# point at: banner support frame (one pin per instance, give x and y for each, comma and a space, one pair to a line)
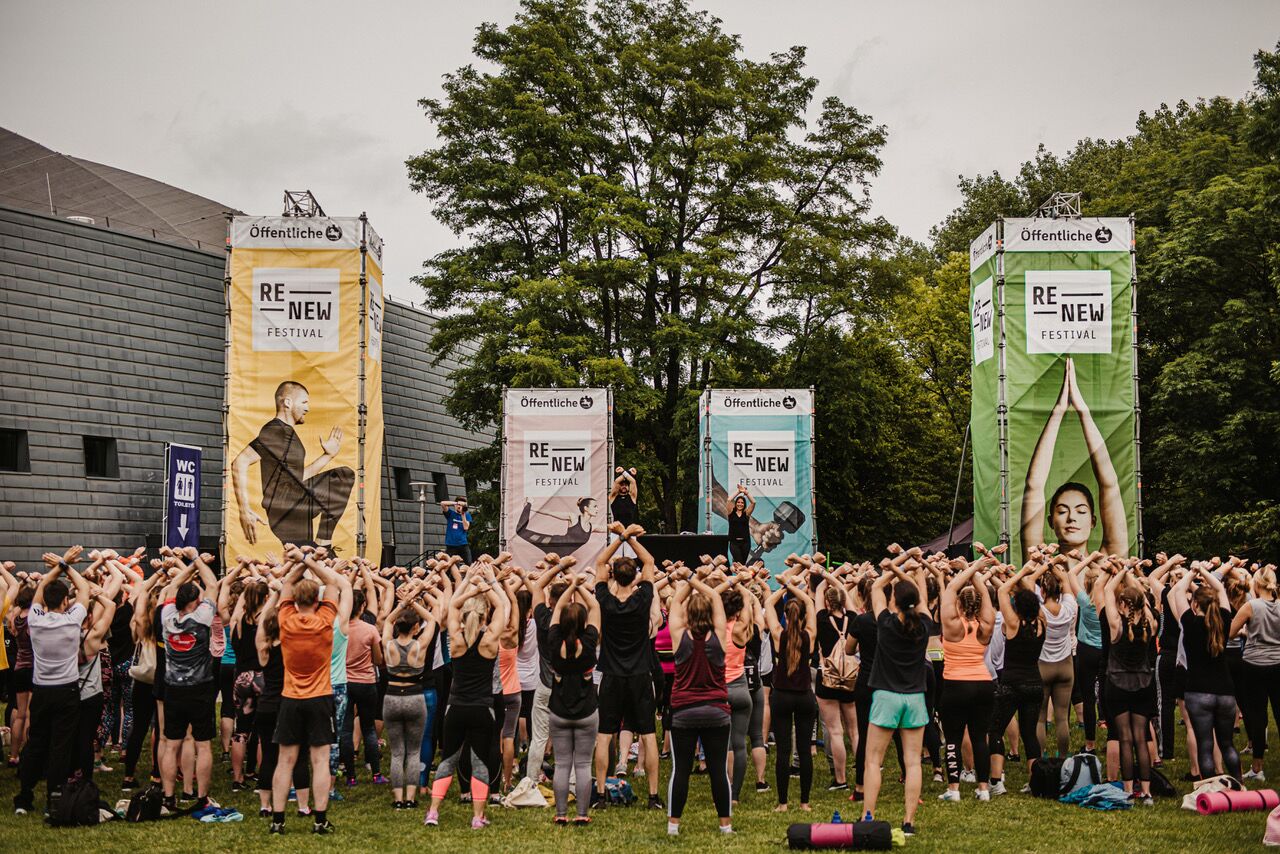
502, 470
1137, 405
704, 402
1002, 404
608, 441
813, 472
362, 408
226, 397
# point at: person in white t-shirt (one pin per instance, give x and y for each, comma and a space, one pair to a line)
54, 625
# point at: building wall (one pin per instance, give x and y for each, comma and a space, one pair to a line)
106, 334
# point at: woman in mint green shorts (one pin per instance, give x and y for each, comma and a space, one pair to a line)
898, 681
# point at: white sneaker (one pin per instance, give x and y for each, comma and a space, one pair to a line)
968, 777
639, 772
951, 796
621, 770
1260, 776
938, 778
983, 794
1026, 789
998, 788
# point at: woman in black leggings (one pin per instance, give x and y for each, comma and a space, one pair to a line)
699, 698
1131, 687
149, 649
792, 705
1260, 617
968, 697
1210, 695
1019, 689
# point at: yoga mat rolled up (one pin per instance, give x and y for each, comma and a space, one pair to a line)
856, 836
1212, 803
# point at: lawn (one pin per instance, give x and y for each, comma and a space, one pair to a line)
366, 823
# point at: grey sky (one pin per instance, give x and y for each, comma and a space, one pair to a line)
240, 100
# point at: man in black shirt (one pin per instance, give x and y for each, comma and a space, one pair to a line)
626, 687
293, 493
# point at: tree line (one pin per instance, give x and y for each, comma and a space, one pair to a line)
641, 205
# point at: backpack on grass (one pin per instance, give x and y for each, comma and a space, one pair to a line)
1082, 769
78, 805
145, 805
1046, 777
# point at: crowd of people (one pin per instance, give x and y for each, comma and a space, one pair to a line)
296, 664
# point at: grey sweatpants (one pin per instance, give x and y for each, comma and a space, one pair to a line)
573, 743
539, 724
741, 707
404, 719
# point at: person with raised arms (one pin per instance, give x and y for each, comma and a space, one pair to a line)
306, 716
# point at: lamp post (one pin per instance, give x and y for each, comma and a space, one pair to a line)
422, 514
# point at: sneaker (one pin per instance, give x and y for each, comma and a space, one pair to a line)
1013, 757
336, 796
128, 784
795, 772
479, 822
762, 787
397, 805
656, 803
237, 786
1026, 789
998, 788
293, 794
599, 800
908, 829
968, 777
950, 796
856, 796
664, 755
351, 782
634, 752
1146, 800
561, 821
621, 770
411, 805
938, 778
263, 812
323, 827
188, 797
1260, 776
464, 798
19, 810
103, 767
380, 780
639, 772
982, 794
432, 819
276, 829
838, 787
581, 820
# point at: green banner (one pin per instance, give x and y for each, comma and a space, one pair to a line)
1064, 316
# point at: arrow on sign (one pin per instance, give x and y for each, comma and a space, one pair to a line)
182, 527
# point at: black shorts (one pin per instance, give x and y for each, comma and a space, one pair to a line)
308, 722
627, 702
1119, 702
22, 679
190, 706
227, 690
1173, 678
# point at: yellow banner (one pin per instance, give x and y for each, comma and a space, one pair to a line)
295, 471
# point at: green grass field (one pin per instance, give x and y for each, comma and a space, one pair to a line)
366, 824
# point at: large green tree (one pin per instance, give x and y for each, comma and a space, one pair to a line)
639, 205
1204, 183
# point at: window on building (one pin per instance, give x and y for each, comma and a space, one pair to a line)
14, 455
100, 458
404, 487
441, 487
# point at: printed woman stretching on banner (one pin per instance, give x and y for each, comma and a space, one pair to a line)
579, 530
1071, 508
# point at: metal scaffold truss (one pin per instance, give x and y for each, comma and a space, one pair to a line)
1060, 206
301, 203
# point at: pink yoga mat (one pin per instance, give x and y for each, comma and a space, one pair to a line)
1211, 803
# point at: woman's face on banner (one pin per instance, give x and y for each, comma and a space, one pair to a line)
1072, 520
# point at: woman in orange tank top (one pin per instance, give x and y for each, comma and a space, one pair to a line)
968, 692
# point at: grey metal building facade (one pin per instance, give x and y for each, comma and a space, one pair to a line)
111, 345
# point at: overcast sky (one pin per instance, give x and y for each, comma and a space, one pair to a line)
239, 100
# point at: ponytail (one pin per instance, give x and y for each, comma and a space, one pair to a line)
906, 596
1206, 599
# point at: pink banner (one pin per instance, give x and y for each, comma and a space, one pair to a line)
556, 464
